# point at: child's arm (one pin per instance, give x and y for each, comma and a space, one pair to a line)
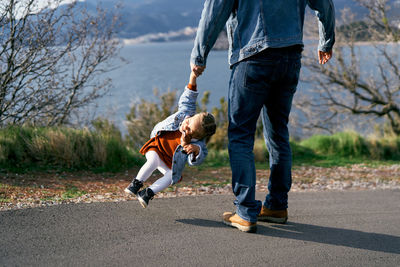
192, 85
187, 101
192, 82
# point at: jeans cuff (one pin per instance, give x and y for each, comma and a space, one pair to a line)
270, 207
245, 217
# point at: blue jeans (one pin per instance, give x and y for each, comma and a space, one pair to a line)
263, 83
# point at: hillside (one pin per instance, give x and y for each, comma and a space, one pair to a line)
151, 17
141, 17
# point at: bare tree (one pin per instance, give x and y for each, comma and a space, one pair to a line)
51, 58
362, 83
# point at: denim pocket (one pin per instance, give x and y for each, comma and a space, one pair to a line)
258, 75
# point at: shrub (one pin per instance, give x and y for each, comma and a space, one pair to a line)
220, 139
387, 148
260, 151
217, 158
143, 117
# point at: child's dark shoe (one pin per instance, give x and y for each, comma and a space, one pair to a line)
134, 187
144, 197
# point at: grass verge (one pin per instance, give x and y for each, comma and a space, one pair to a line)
340, 149
27, 149
24, 149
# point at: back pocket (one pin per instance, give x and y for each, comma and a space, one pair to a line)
259, 75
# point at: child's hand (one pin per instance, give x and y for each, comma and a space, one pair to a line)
189, 149
197, 70
185, 139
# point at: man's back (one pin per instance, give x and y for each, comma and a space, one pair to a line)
255, 25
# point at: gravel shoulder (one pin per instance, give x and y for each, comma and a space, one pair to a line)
19, 191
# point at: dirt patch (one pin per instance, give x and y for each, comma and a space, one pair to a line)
51, 188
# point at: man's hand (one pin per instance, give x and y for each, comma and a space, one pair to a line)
197, 70
324, 57
191, 149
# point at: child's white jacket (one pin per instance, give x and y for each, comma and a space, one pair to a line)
186, 108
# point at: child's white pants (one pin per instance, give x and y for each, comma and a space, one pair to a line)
155, 162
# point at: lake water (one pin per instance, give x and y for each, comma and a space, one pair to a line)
165, 66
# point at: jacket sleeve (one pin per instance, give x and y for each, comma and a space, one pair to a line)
213, 18
325, 11
187, 102
194, 161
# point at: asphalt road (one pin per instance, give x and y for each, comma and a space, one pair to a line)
324, 228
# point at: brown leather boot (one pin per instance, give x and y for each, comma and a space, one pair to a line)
234, 220
274, 216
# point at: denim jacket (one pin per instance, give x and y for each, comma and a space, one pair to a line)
186, 108
254, 25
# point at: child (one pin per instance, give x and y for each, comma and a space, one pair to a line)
175, 140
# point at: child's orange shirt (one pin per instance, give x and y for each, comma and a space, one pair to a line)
164, 144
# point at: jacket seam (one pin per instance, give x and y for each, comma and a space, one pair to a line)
262, 17
214, 25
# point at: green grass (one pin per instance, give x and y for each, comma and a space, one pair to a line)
216, 158
345, 144
47, 198
350, 148
341, 149
24, 149
332, 161
27, 149
72, 192
4, 200
170, 189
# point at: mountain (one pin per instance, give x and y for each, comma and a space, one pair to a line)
361, 12
155, 17
140, 17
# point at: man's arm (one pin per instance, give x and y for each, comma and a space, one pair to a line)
213, 18
325, 12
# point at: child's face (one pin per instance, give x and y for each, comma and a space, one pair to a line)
192, 126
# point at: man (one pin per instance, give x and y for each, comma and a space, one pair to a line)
265, 39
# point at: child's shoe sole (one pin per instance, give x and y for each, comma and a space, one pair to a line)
142, 202
128, 191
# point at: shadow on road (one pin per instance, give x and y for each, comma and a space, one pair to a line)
202, 222
319, 234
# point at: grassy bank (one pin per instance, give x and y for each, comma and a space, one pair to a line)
349, 148
26, 148
328, 150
